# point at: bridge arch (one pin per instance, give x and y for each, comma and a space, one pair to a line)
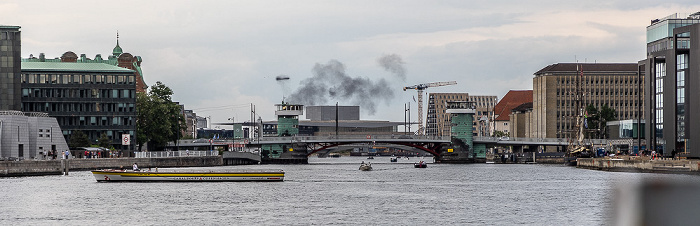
432, 151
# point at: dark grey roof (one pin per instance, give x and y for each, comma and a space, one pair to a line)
590, 67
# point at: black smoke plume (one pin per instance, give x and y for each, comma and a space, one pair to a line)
330, 84
393, 63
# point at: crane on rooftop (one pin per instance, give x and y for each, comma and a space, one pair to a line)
420, 88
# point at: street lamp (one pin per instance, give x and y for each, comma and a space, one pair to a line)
233, 132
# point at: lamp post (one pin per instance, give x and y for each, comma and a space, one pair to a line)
233, 132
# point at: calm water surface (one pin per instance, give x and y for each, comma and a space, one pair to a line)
328, 191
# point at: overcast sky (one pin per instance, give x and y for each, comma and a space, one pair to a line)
221, 56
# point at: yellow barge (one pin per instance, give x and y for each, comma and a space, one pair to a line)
187, 175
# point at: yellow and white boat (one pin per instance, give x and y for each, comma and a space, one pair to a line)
188, 175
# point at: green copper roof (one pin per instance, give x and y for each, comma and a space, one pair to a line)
76, 67
9, 27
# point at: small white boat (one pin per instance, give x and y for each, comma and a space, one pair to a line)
188, 175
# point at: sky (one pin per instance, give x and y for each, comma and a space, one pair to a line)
219, 57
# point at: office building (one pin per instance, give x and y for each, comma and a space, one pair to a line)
673, 68
10, 68
94, 98
438, 120
555, 88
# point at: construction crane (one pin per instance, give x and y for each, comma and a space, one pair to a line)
420, 88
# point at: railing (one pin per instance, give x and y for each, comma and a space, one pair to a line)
536, 140
166, 154
368, 137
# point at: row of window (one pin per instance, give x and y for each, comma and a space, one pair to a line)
96, 121
78, 93
77, 79
114, 136
78, 107
601, 80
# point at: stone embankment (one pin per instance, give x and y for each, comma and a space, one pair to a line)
635, 164
57, 167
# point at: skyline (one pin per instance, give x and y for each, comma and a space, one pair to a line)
217, 56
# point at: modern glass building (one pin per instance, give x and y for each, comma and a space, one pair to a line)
95, 98
10, 53
673, 69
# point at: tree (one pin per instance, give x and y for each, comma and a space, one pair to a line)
78, 139
104, 141
499, 133
596, 121
159, 120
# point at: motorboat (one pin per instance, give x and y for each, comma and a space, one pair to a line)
366, 166
420, 164
109, 175
371, 157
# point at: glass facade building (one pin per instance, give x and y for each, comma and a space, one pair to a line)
672, 53
10, 53
95, 98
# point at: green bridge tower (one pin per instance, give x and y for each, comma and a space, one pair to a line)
287, 126
461, 150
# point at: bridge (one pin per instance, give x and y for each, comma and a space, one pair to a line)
314, 144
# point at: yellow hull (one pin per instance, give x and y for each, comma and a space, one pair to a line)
188, 176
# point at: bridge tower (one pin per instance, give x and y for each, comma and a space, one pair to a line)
287, 126
462, 119
288, 119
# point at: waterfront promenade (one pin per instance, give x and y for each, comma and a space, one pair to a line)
59, 166
641, 164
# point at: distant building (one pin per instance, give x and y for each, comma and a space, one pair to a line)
327, 113
95, 98
673, 71
438, 121
521, 121
502, 110
10, 68
190, 124
29, 135
554, 92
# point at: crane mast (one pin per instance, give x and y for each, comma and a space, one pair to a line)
420, 88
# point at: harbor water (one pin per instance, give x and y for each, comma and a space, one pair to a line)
329, 191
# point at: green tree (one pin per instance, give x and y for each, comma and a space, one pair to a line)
597, 120
78, 139
159, 120
104, 141
499, 133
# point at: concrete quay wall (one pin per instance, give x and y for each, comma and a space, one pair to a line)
640, 165
57, 167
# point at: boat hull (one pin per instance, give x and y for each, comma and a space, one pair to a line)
186, 176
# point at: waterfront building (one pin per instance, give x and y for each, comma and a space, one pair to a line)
118, 58
10, 68
623, 135
29, 136
328, 113
438, 122
520, 123
95, 98
555, 88
673, 50
502, 110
